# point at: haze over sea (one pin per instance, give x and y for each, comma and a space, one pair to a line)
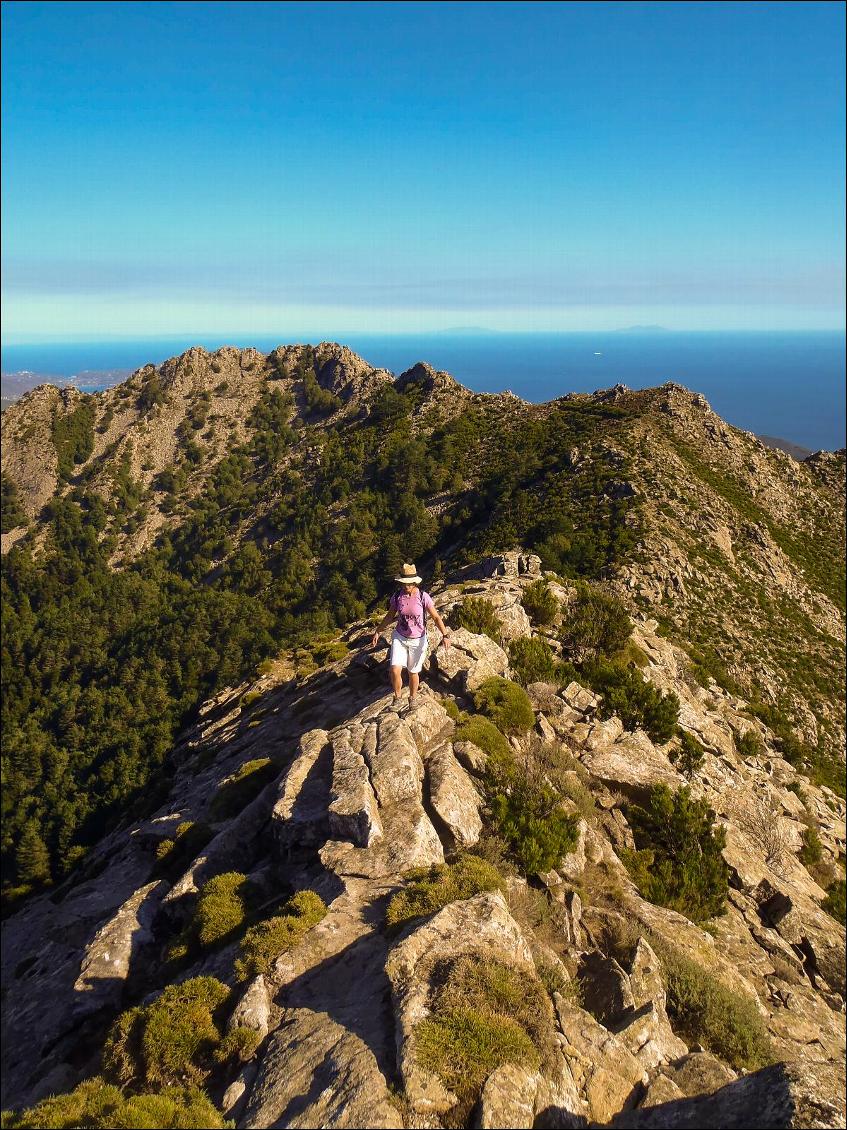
785, 384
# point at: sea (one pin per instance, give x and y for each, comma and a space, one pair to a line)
789, 385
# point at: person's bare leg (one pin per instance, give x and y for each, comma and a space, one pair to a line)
414, 680
396, 681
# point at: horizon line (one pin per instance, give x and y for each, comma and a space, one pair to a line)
339, 336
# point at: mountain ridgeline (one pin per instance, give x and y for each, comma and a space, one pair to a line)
165, 537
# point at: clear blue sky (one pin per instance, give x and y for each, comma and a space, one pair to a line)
173, 167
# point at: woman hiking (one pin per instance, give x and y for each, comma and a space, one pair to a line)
409, 644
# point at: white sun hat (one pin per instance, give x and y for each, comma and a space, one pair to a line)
409, 576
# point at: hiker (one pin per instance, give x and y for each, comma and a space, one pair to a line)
409, 644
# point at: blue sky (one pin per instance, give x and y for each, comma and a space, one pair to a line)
396, 167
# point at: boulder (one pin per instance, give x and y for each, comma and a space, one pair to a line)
114, 949
633, 765
580, 698
253, 1009
316, 1072
606, 991
647, 1033
660, 1090
480, 925
471, 756
508, 1099
391, 752
699, 1073
468, 662
453, 798
299, 817
353, 811
607, 1075
783, 1095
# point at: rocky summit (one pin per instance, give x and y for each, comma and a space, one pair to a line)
592, 877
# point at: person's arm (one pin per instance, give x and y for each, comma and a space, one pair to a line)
439, 623
390, 616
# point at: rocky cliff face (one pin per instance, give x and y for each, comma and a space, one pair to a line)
366, 794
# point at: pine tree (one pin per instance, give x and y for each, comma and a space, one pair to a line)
32, 858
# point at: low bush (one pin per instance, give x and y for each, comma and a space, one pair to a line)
434, 887
219, 914
688, 756
540, 603
243, 786
452, 709
170, 1042
533, 661
835, 903
596, 624
483, 734
527, 814
678, 863
266, 941
749, 744
811, 850
638, 704
237, 1046
98, 1104
705, 1011
478, 616
483, 1014
506, 704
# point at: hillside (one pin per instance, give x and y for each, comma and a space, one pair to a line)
488, 912
164, 537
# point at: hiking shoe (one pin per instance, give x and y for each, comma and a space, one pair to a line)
413, 705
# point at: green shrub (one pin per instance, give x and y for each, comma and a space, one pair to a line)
703, 1010
248, 698
553, 977
540, 603
506, 704
484, 735
11, 510
264, 942
169, 1042
749, 744
527, 814
835, 902
237, 1046
596, 624
637, 703
434, 887
483, 1014
678, 863
477, 616
812, 848
452, 709
220, 912
73, 437
242, 787
98, 1104
688, 756
532, 660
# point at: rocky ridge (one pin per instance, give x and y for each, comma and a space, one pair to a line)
740, 547
365, 793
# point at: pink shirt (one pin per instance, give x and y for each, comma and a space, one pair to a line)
410, 609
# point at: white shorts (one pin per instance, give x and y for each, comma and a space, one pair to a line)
409, 653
